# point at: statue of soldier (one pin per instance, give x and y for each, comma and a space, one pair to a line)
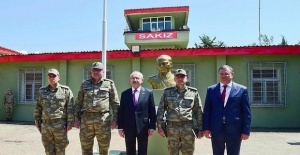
9, 102
164, 78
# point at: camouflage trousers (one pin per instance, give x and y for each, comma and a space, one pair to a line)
91, 126
54, 138
181, 138
9, 110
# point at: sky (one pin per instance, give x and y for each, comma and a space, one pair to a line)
38, 26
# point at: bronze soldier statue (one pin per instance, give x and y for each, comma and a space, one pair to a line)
164, 78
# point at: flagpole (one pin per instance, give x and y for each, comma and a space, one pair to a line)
104, 37
259, 34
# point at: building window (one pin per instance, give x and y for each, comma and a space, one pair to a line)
30, 81
157, 23
267, 84
87, 72
190, 71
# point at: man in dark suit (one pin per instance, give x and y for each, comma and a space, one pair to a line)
136, 115
227, 114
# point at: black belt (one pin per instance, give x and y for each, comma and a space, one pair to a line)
180, 123
50, 121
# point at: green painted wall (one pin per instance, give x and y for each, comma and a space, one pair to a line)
206, 74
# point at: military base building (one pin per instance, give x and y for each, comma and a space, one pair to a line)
271, 73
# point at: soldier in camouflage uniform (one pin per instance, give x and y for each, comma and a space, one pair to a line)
164, 78
96, 98
9, 103
54, 114
183, 109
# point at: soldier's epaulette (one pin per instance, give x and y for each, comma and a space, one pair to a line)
88, 81
169, 88
108, 80
45, 87
64, 86
153, 76
192, 88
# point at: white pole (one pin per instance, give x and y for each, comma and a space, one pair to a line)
259, 35
104, 37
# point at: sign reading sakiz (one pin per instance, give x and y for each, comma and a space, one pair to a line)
155, 35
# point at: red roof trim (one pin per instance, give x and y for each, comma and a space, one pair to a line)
7, 51
191, 52
157, 10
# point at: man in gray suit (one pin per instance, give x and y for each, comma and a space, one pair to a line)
136, 115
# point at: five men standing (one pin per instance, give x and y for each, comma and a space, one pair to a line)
226, 116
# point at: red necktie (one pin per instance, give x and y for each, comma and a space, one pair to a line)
133, 97
224, 93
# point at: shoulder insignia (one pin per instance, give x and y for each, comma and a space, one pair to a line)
108, 80
43, 88
64, 86
87, 81
192, 88
170, 89
152, 76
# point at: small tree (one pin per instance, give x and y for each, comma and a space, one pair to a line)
283, 41
265, 40
207, 42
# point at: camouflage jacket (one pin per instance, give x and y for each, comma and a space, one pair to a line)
9, 99
180, 106
52, 104
97, 97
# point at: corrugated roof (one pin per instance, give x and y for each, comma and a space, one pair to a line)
6, 51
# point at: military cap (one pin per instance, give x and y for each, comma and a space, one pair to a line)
97, 65
53, 71
180, 72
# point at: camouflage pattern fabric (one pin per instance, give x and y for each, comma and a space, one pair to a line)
9, 111
180, 106
96, 106
55, 108
181, 138
9, 103
54, 138
91, 126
